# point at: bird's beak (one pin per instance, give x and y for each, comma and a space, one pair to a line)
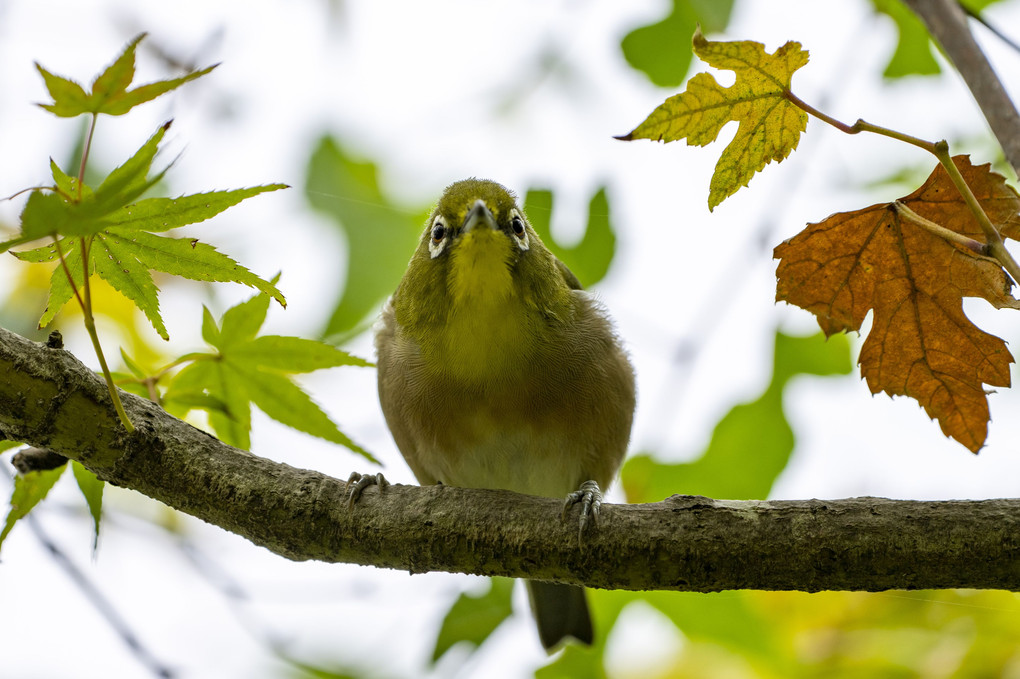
479, 216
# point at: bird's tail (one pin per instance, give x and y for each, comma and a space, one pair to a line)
561, 611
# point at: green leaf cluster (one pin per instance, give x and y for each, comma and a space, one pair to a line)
245, 369
31, 488
114, 231
110, 230
474, 617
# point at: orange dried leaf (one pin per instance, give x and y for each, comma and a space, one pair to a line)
921, 344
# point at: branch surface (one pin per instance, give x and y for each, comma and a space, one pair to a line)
50, 400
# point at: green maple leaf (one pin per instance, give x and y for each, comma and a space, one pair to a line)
91, 488
116, 231
770, 124
246, 369
29, 490
474, 617
109, 93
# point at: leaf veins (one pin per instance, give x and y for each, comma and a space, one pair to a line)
921, 343
770, 124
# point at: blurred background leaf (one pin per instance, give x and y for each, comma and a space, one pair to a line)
380, 234
662, 51
473, 617
752, 443
590, 257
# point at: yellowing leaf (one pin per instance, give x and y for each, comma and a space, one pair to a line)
770, 124
921, 344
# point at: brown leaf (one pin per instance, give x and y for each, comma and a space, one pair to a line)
921, 344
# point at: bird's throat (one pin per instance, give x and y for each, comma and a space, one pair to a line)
485, 330
480, 279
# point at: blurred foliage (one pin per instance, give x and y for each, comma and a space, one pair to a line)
752, 443
29, 490
772, 635
662, 51
473, 617
913, 54
749, 448
380, 234
91, 488
590, 257
729, 634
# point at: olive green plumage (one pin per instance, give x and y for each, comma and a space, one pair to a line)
497, 371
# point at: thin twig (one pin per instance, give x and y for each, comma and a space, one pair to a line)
859, 126
85, 153
995, 30
67, 272
996, 248
947, 23
90, 327
940, 149
94, 596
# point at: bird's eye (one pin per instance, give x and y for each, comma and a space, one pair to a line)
437, 237
517, 224
438, 233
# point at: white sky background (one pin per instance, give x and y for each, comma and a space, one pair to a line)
415, 86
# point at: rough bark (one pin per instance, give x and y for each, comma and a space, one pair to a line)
52, 401
947, 23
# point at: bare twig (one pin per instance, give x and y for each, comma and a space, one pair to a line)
106, 610
947, 23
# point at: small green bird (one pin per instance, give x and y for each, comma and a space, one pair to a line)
497, 371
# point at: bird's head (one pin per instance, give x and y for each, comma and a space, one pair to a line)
479, 262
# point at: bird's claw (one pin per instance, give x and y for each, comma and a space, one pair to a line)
589, 496
358, 482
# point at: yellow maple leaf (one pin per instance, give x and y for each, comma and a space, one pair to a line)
770, 125
921, 343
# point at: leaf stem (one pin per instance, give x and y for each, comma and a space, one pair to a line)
90, 326
67, 272
85, 299
85, 154
994, 246
860, 126
974, 246
85, 296
186, 358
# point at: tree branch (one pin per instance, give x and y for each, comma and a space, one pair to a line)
50, 400
947, 23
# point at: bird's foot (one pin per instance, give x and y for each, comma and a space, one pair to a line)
589, 496
358, 482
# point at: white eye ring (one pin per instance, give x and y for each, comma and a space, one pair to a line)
438, 236
519, 229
